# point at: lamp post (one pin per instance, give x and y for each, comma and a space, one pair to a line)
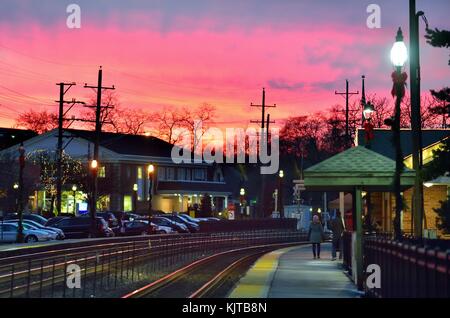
150, 171
94, 170
280, 192
20, 236
399, 55
74, 189
416, 129
242, 200
16, 197
135, 189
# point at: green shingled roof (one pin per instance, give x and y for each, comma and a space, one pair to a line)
356, 166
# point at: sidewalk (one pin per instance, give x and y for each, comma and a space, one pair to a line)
293, 273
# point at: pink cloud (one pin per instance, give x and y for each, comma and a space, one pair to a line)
300, 67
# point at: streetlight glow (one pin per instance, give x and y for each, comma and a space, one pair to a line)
15, 186
74, 188
281, 174
135, 187
151, 168
242, 191
94, 164
399, 52
368, 110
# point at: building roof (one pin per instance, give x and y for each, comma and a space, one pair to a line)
139, 145
357, 166
382, 141
11, 136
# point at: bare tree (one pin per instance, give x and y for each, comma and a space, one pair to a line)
38, 121
168, 121
383, 110
108, 114
429, 119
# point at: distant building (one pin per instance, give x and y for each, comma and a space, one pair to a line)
122, 174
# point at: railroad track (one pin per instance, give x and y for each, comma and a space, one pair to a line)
211, 277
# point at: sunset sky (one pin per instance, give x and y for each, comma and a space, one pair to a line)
184, 53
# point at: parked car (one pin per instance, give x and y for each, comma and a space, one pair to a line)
132, 228
58, 234
161, 229
192, 227
8, 234
54, 220
109, 217
80, 227
189, 218
27, 216
159, 220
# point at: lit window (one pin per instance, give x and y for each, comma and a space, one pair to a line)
139, 172
127, 203
102, 172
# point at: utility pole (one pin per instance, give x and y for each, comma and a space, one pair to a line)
416, 130
347, 95
63, 89
262, 122
98, 129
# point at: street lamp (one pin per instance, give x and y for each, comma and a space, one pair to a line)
280, 192
74, 189
399, 55
135, 189
21, 150
150, 171
94, 167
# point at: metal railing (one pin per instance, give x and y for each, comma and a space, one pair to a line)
408, 270
113, 267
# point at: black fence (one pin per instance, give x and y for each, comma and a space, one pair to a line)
408, 269
248, 225
111, 268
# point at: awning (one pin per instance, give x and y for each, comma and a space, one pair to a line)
356, 167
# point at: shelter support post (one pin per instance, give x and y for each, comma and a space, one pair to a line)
359, 238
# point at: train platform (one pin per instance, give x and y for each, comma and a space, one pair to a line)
293, 273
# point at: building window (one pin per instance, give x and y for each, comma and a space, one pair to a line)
161, 173
170, 173
128, 172
127, 203
199, 174
181, 174
188, 174
102, 172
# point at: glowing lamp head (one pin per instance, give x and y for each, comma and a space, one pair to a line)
399, 52
242, 191
151, 169
281, 174
135, 187
368, 111
15, 186
74, 188
94, 164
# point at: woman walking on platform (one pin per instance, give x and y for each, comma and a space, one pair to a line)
315, 235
